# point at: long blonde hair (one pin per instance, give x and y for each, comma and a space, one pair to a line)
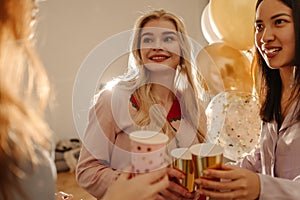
24, 92
188, 83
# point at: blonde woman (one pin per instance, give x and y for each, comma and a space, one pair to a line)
26, 169
161, 91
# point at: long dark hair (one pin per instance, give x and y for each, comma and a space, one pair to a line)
271, 86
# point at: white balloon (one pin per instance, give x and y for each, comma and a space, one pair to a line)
234, 123
206, 27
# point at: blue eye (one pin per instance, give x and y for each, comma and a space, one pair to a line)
147, 40
169, 39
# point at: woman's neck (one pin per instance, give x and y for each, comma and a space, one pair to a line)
162, 94
163, 78
286, 75
162, 86
287, 99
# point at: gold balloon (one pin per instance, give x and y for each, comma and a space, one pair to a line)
234, 21
256, 74
206, 27
224, 68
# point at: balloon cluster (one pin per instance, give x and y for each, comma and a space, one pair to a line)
230, 21
233, 123
224, 68
225, 64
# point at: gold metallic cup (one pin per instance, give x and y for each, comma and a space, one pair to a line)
206, 156
182, 160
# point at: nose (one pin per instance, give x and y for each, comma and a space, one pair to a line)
157, 45
268, 35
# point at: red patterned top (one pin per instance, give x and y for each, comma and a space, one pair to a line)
174, 113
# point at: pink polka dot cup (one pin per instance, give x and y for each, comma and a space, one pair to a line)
148, 150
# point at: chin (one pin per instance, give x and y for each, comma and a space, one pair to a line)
158, 67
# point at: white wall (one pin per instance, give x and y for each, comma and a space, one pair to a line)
69, 29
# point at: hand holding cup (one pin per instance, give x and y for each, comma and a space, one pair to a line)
206, 156
182, 160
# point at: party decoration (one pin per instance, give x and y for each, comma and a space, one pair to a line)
224, 68
234, 123
234, 21
256, 74
206, 27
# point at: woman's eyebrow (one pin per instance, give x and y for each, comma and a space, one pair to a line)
258, 21
147, 33
274, 17
280, 15
164, 33
169, 32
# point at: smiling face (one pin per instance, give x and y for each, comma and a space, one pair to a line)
159, 45
274, 35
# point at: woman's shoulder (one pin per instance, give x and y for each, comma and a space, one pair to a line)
116, 94
40, 179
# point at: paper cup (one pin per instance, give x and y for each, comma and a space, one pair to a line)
182, 160
148, 150
206, 156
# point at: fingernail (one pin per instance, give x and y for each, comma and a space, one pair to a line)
206, 172
188, 195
